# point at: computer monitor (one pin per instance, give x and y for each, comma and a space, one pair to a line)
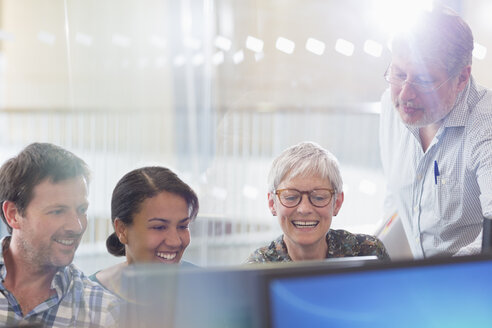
171, 296
439, 292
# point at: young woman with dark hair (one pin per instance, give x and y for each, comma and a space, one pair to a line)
151, 209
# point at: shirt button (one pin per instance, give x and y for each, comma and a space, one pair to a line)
416, 208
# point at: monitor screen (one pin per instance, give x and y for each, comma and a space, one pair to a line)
171, 296
454, 292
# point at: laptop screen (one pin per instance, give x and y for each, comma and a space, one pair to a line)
455, 292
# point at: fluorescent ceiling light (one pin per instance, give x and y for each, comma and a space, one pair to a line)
238, 57
83, 39
254, 44
46, 37
222, 43
315, 46
179, 61
218, 58
285, 45
198, 59
158, 41
373, 48
344, 47
121, 40
479, 51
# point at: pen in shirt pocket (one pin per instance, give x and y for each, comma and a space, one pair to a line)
436, 172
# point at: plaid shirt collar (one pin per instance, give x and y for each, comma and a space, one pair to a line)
60, 283
78, 302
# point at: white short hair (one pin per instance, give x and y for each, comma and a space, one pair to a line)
305, 158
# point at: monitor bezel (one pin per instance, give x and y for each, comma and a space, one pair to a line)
323, 268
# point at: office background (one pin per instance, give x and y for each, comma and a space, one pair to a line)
213, 89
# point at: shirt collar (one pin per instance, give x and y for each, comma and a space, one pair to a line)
61, 281
459, 113
4, 242
282, 250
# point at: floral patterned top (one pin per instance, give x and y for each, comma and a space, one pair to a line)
341, 243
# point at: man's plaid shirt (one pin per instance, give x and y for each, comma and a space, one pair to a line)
78, 302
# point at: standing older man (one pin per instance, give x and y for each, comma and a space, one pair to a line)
436, 137
43, 192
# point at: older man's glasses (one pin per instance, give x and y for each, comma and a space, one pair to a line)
317, 197
398, 80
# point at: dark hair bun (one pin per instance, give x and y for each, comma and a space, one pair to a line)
114, 246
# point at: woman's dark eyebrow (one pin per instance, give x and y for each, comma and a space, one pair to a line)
167, 220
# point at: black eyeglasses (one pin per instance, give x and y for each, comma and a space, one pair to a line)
317, 197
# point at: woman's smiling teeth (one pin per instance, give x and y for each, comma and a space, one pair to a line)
305, 224
167, 256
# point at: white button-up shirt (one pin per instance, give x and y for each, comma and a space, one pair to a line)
441, 195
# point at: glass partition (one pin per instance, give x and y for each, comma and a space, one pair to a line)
211, 89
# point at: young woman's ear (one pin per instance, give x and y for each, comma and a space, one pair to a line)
121, 231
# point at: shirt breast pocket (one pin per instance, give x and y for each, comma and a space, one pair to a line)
447, 202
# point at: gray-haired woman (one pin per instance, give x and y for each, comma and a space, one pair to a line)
305, 192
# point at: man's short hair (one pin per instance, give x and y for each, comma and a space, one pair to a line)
440, 34
35, 163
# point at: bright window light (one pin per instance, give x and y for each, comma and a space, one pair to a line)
204, 178
344, 47
46, 37
315, 46
160, 61
373, 48
222, 43
197, 59
143, 62
125, 63
4, 35
192, 43
398, 15
218, 58
259, 56
285, 45
121, 40
367, 187
179, 61
250, 192
254, 44
482, 14
158, 41
83, 39
479, 51
219, 193
238, 57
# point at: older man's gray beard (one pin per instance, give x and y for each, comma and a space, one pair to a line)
425, 120
417, 124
